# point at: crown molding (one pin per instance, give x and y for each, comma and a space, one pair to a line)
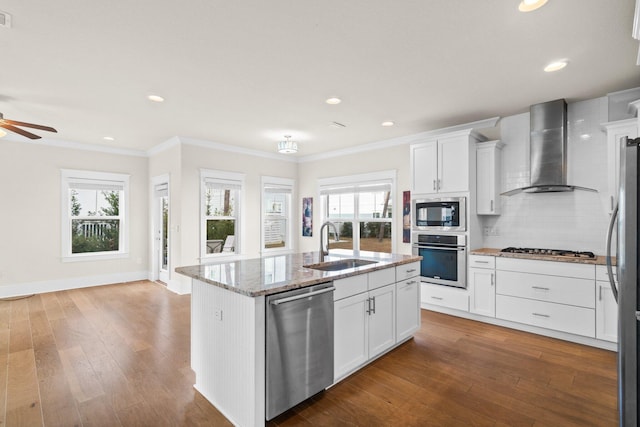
60, 143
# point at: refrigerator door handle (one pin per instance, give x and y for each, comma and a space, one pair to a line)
614, 289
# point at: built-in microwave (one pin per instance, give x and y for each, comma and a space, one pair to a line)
444, 214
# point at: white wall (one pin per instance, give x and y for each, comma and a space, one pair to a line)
30, 219
391, 158
576, 220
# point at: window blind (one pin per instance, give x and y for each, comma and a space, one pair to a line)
222, 184
362, 187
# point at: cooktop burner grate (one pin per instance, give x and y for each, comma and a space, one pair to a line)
549, 252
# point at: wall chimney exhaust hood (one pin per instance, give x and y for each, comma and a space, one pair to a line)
548, 150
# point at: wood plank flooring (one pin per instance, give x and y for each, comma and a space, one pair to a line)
119, 356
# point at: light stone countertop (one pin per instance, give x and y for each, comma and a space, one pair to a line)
598, 260
273, 274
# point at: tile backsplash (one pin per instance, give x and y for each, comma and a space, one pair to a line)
575, 220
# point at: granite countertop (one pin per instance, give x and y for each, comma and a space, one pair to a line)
273, 274
598, 260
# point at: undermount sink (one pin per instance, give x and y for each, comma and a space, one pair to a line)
342, 264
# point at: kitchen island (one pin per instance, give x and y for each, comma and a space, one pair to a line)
228, 312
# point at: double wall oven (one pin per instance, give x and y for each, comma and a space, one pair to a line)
438, 235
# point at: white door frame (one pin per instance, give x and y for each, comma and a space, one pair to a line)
156, 224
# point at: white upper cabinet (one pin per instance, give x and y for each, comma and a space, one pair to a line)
615, 132
442, 164
488, 171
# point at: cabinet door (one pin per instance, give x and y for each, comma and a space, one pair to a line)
351, 334
488, 178
407, 308
424, 167
606, 313
453, 164
483, 291
382, 320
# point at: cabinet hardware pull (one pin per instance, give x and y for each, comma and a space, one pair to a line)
411, 271
412, 282
491, 279
434, 184
374, 305
368, 306
541, 288
439, 184
611, 197
438, 298
492, 206
599, 292
481, 262
541, 315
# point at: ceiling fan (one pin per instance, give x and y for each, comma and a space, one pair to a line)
14, 126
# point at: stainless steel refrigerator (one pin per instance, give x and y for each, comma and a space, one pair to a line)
626, 290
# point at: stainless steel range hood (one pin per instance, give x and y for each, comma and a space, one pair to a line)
548, 150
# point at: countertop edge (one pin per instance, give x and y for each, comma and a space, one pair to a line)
599, 260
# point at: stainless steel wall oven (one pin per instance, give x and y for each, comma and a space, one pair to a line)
444, 214
444, 258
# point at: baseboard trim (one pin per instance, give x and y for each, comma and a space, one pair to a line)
41, 287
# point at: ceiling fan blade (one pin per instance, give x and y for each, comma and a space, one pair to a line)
19, 131
30, 125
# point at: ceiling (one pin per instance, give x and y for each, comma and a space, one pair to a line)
246, 73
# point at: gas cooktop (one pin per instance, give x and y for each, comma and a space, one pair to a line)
549, 252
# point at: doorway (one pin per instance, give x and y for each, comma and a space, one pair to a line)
161, 236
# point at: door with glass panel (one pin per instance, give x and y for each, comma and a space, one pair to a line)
161, 243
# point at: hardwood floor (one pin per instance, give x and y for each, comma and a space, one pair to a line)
119, 355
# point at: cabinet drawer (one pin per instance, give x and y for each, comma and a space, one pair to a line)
563, 290
559, 317
603, 275
380, 278
349, 286
482, 261
552, 268
407, 271
444, 296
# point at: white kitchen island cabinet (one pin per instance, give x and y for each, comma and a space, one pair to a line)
228, 321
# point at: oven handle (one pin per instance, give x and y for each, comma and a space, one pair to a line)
444, 248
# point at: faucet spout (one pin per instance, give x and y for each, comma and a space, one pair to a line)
324, 252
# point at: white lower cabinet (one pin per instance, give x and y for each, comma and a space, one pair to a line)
364, 327
373, 313
483, 291
444, 296
407, 308
606, 307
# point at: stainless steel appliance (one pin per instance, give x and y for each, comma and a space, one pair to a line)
444, 258
548, 149
626, 291
445, 214
550, 252
299, 335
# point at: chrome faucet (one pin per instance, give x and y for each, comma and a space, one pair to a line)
335, 232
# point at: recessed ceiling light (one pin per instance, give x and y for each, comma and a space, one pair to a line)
155, 98
556, 65
388, 123
109, 138
333, 101
2, 133
530, 5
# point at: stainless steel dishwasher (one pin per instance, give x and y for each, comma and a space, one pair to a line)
299, 335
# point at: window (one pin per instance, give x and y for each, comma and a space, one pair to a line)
361, 207
276, 213
221, 192
94, 215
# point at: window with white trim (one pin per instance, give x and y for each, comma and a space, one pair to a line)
94, 215
220, 200
361, 207
276, 214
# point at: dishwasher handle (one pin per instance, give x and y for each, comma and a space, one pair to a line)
301, 296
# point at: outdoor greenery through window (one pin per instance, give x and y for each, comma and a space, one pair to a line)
93, 220
363, 214
221, 195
